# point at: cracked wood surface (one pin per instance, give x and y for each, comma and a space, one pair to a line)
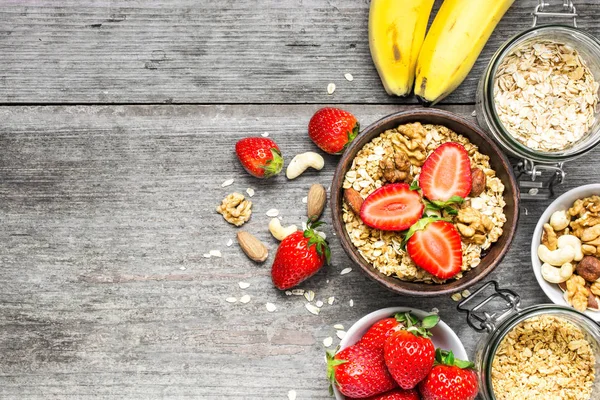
104, 291
189, 51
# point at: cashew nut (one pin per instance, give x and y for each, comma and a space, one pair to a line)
559, 220
301, 162
557, 275
278, 231
556, 257
574, 242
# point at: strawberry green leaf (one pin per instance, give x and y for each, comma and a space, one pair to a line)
446, 357
430, 321
415, 185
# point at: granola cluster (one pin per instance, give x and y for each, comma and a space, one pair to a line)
542, 358
368, 173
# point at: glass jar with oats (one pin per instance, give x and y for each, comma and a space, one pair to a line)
539, 100
543, 352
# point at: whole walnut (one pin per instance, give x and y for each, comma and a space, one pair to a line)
589, 268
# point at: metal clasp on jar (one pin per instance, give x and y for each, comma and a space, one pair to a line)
482, 320
568, 11
535, 188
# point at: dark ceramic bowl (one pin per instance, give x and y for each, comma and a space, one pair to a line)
498, 162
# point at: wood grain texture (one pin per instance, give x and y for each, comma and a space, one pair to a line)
189, 51
106, 213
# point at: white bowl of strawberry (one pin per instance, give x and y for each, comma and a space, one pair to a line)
400, 353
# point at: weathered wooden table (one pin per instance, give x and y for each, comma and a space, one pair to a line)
117, 127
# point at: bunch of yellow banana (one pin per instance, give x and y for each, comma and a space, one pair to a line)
442, 59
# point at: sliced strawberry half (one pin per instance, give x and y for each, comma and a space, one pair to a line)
436, 248
392, 208
446, 173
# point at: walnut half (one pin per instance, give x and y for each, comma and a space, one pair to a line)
395, 165
473, 225
235, 209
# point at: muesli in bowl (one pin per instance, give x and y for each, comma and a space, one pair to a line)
424, 202
398, 155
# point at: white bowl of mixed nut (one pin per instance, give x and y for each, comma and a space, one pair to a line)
565, 250
424, 202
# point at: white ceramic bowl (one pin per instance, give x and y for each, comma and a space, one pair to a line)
563, 202
442, 336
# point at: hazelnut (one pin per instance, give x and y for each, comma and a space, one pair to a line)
478, 181
589, 268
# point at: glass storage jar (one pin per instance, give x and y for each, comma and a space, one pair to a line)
539, 170
496, 328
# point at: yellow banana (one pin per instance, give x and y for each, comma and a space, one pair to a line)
396, 33
459, 32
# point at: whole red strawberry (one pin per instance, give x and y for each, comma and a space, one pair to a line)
332, 129
259, 156
378, 333
396, 394
359, 372
299, 256
409, 353
450, 379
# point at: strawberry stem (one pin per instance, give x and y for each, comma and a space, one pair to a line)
274, 165
446, 357
415, 326
321, 245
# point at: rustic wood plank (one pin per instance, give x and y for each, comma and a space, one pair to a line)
104, 291
187, 51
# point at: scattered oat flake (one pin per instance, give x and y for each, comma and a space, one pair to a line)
305, 199
266, 134
273, 212
229, 243
292, 395
245, 299
297, 292
322, 234
288, 293
206, 255
215, 253
228, 182
339, 327
434, 310
351, 302
465, 293
312, 308
456, 296
243, 285
250, 192
346, 271
331, 88
271, 307
328, 341
340, 334
349, 77
182, 268
319, 303
310, 295
330, 300
231, 299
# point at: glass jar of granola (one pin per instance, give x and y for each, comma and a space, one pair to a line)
538, 98
536, 353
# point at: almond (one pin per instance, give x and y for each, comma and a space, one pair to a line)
254, 248
353, 199
317, 197
478, 181
593, 302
